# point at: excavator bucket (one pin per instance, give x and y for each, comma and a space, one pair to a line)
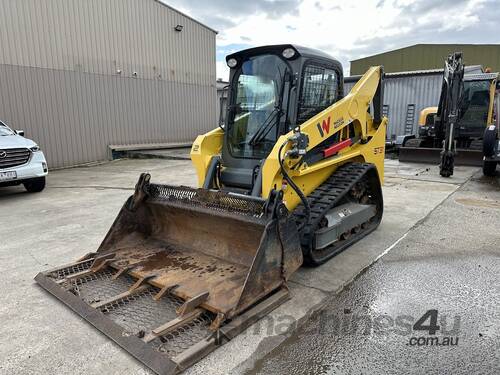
472, 158
182, 271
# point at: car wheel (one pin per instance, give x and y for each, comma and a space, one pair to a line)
36, 185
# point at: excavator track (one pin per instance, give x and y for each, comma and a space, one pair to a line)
352, 182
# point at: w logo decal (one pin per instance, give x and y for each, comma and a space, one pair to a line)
324, 127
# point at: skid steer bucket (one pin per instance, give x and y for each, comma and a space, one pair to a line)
182, 271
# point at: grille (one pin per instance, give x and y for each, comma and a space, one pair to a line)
96, 287
70, 270
184, 337
13, 157
141, 313
136, 313
214, 200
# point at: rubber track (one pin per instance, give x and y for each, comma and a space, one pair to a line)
327, 196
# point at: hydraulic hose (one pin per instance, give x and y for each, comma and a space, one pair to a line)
299, 192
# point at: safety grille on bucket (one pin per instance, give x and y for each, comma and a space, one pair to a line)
215, 200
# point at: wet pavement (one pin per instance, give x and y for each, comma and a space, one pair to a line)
449, 262
73, 214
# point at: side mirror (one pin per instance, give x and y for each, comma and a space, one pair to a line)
20, 132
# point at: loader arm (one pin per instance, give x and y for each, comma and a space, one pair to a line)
368, 140
351, 111
491, 107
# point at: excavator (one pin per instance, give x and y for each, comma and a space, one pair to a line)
453, 132
443, 130
293, 177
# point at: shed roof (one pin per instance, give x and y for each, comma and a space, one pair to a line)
444, 45
185, 15
470, 70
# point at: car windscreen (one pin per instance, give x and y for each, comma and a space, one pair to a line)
4, 130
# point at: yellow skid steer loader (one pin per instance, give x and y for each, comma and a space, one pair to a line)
293, 176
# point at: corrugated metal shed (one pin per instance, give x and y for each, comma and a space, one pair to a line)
80, 75
429, 56
405, 96
407, 93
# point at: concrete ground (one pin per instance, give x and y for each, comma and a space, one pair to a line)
73, 214
449, 262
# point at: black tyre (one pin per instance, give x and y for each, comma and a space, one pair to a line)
490, 141
489, 167
36, 185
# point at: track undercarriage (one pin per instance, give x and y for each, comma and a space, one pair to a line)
345, 208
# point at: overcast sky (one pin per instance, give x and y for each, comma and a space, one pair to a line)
345, 31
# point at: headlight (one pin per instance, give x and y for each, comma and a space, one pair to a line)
288, 53
35, 148
232, 63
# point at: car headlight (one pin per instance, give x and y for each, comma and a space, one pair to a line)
35, 148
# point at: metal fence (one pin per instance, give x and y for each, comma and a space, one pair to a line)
74, 116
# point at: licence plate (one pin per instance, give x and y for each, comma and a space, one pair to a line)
8, 175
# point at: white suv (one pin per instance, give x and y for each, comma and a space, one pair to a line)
21, 161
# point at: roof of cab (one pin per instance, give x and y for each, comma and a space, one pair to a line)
302, 51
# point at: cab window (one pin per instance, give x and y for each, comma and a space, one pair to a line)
320, 89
